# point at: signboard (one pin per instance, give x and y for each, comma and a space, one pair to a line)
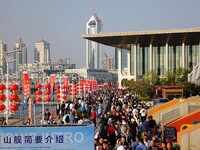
47, 138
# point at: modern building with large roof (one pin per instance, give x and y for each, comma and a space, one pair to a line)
159, 50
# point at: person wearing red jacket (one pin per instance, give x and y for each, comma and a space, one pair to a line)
93, 116
111, 132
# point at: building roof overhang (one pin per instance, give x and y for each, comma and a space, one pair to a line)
154, 37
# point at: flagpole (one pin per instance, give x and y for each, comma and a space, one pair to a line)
79, 85
43, 100
8, 57
72, 89
84, 89
60, 94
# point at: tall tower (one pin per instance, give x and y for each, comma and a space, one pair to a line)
21, 56
3, 48
42, 52
93, 26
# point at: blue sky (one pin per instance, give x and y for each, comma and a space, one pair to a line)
62, 22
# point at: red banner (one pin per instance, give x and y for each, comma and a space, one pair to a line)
25, 85
52, 80
66, 81
81, 82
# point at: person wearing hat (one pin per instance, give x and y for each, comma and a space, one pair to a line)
133, 128
121, 147
124, 127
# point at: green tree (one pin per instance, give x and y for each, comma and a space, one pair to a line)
151, 77
140, 88
190, 88
169, 78
181, 75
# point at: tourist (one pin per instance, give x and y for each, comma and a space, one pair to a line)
163, 146
152, 126
28, 122
169, 146
47, 115
93, 116
141, 146
133, 128
57, 109
153, 146
143, 113
146, 141
111, 134
106, 146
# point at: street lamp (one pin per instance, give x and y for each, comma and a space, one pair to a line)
74, 80
60, 83
9, 59
43, 95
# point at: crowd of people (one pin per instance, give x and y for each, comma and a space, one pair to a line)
127, 126
123, 120
79, 111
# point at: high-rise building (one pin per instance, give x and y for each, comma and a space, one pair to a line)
42, 52
20, 56
108, 62
3, 48
94, 26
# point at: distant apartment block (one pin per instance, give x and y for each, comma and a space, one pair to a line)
21, 54
108, 62
42, 52
3, 48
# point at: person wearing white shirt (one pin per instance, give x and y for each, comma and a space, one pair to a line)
71, 106
143, 113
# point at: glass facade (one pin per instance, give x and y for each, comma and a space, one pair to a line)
175, 57
124, 59
132, 59
93, 26
192, 55
159, 61
164, 58
143, 61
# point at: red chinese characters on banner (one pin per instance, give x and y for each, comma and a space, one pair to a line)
66, 81
52, 80
26, 84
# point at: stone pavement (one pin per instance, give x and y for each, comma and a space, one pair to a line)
15, 121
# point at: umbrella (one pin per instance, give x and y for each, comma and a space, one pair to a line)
71, 118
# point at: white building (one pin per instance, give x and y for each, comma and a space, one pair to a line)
100, 75
108, 62
93, 26
42, 52
21, 56
3, 48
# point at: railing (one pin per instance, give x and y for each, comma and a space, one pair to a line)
36, 119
